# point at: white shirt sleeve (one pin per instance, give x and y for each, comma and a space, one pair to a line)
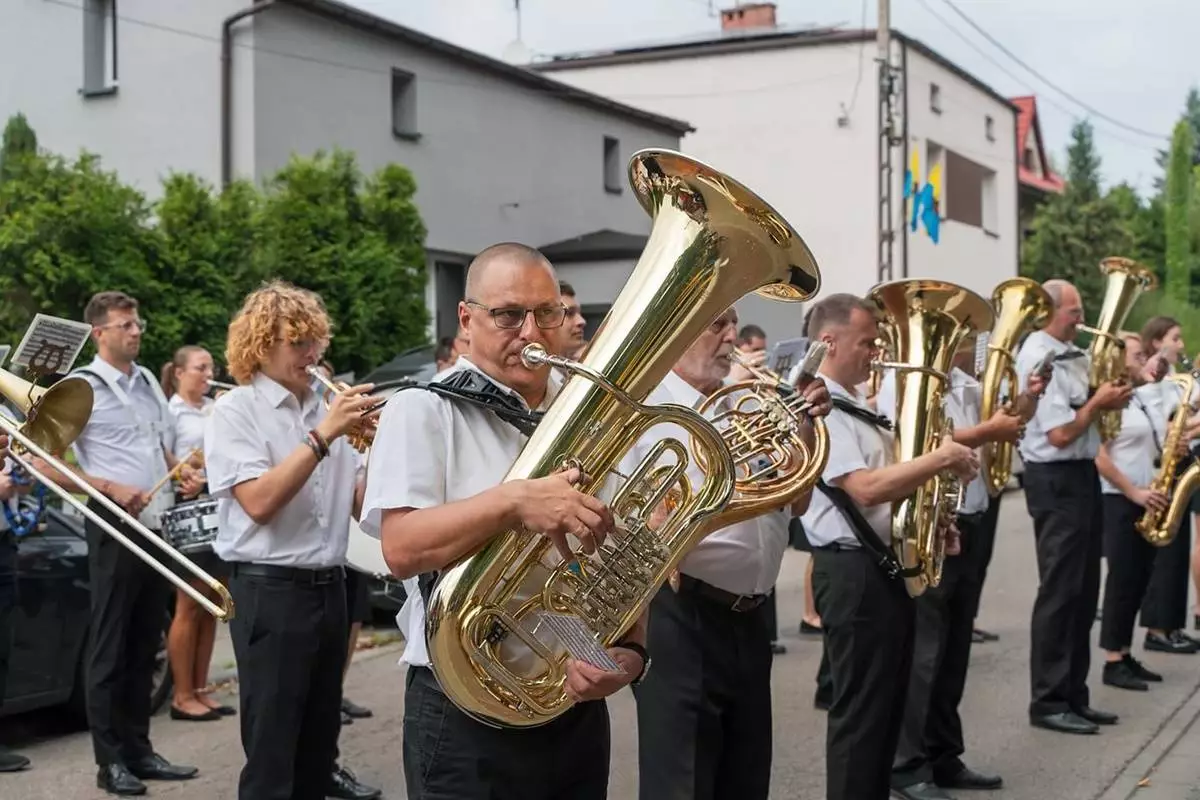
885, 401
1054, 409
845, 454
235, 449
408, 459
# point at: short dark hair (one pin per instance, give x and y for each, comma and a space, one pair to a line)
566, 289
101, 303
749, 332
445, 347
834, 310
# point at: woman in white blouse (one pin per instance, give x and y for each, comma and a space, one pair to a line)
1127, 466
193, 631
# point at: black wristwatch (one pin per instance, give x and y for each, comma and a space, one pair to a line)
641, 651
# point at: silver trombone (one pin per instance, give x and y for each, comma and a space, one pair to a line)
54, 418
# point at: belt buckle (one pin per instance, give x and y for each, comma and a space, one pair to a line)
745, 602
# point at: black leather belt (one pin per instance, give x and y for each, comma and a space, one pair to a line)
301, 575
734, 602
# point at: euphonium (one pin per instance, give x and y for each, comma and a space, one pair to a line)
1159, 527
762, 429
1127, 279
711, 242
1020, 305
927, 321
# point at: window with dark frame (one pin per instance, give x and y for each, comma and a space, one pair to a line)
989, 128
612, 165
404, 105
970, 193
99, 47
935, 98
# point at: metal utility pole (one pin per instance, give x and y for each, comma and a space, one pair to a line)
889, 138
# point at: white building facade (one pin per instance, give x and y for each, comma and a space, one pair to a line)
795, 115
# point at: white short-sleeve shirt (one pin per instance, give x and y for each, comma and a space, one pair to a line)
854, 444
430, 451
189, 424
743, 558
252, 429
1135, 450
1066, 392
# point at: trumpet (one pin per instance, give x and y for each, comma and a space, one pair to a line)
54, 418
220, 386
363, 434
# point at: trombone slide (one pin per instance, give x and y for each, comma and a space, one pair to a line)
222, 612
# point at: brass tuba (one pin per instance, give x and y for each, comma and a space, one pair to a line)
1160, 527
1126, 280
711, 242
927, 322
1021, 305
762, 428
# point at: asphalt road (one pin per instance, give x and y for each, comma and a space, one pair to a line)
1156, 730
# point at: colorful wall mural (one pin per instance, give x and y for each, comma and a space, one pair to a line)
923, 198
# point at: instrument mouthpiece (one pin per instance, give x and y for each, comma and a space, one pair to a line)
534, 355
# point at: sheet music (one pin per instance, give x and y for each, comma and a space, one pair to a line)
51, 344
577, 638
786, 354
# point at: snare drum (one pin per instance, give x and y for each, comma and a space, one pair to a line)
191, 527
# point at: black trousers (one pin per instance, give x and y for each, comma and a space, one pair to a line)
8, 604
704, 709
1130, 564
289, 637
1065, 502
129, 608
986, 534
450, 756
868, 623
772, 617
931, 739
1164, 606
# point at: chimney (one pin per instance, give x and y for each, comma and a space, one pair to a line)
750, 15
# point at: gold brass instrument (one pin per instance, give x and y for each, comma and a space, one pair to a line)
363, 434
54, 418
711, 242
1021, 305
927, 321
762, 429
1126, 281
1160, 527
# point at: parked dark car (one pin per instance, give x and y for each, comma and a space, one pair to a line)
51, 625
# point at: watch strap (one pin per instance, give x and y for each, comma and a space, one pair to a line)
641, 651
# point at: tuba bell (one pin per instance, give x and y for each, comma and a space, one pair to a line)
1021, 305
926, 322
712, 241
1126, 280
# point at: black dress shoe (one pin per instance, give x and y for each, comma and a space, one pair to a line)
778, 649
116, 779
187, 716
967, 778
1096, 717
355, 710
156, 768
986, 636
1171, 643
1121, 675
343, 784
921, 791
809, 630
1063, 722
347, 719
12, 762
1137, 669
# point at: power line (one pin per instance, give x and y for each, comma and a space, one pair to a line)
1047, 81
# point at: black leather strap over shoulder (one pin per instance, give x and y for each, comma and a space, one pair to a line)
857, 411
471, 386
865, 534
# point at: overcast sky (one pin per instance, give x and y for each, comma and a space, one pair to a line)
1131, 60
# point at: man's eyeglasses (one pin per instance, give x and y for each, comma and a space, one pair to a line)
513, 318
125, 327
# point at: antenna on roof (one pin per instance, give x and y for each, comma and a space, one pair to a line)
517, 52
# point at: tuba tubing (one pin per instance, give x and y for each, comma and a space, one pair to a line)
712, 241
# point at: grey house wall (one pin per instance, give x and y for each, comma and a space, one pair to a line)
495, 161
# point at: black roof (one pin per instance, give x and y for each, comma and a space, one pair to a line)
595, 246
332, 9
749, 40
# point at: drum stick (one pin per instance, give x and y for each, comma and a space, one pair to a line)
170, 476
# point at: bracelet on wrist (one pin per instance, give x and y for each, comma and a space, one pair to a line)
321, 442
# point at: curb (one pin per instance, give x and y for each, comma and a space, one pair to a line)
1125, 785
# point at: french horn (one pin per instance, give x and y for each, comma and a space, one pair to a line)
711, 242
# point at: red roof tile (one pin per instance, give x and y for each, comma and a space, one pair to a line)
1027, 119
